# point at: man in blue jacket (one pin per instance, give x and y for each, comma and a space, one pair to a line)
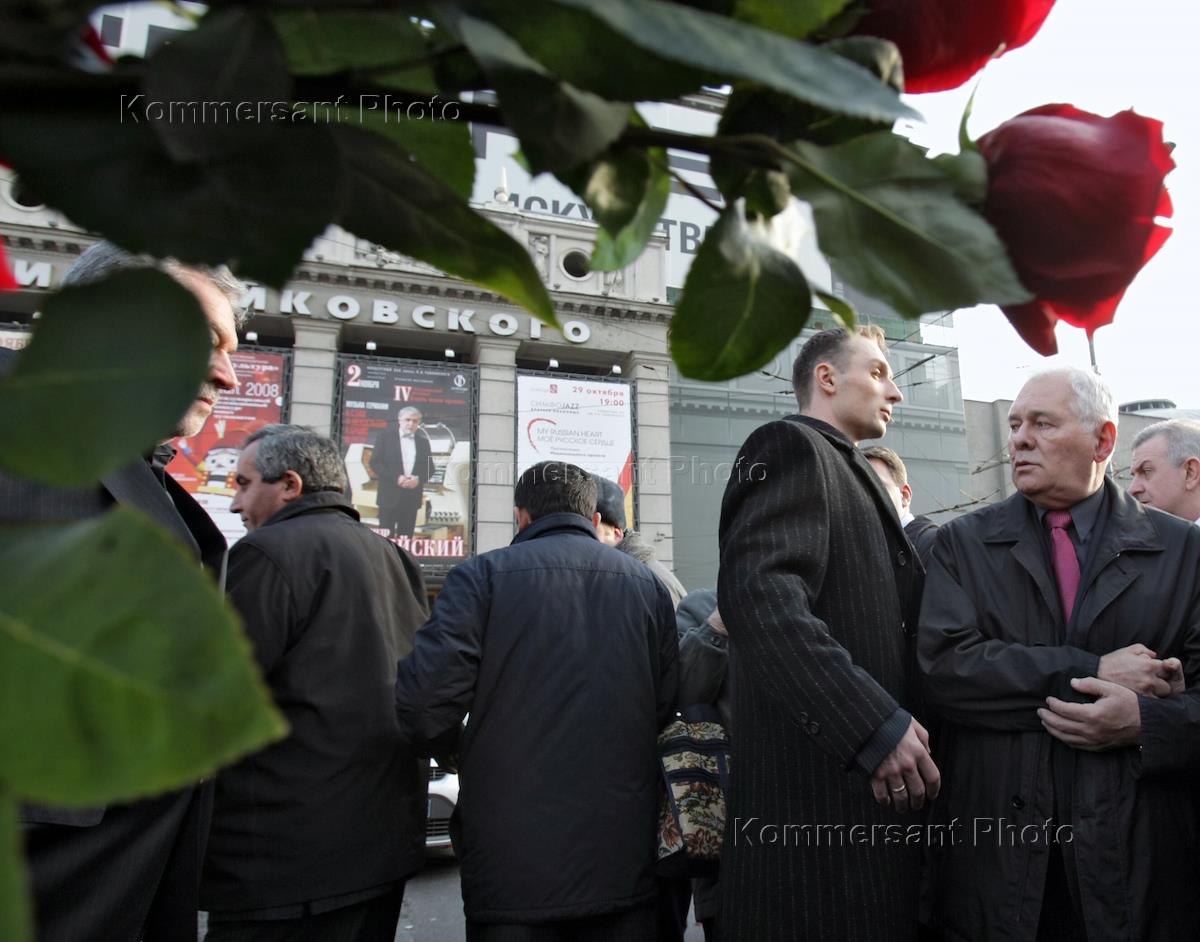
563, 651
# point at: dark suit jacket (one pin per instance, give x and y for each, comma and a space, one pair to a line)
819, 590
388, 464
112, 873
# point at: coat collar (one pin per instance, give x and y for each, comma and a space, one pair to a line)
862, 468
308, 503
556, 522
1127, 527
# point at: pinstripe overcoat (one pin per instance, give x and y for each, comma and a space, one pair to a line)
819, 588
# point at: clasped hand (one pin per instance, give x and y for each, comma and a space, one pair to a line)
908, 775
1113, 719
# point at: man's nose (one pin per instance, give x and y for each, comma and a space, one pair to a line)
1019, 437
221, 372
1135, 487
894, 394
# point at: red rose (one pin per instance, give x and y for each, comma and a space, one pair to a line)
1074, 197
7, 281
945, 42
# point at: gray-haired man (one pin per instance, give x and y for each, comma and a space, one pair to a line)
313, 837
131, 871
1166, 467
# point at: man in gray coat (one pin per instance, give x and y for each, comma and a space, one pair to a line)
1051, 635
818, 588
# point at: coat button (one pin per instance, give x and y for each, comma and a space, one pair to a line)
1018, 802
902, 558
803, 719
813, 728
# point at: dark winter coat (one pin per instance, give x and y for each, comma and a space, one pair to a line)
564, 652
339, 805
992, 647
817, 584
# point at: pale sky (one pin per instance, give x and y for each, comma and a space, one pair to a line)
1102, 56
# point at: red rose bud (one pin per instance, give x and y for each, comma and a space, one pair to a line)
1074, 198
7, 281
945, 42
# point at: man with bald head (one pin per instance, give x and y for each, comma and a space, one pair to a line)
1166, 467
1056, 631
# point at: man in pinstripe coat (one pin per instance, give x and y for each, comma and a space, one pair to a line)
820, 588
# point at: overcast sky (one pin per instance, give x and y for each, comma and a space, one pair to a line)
1102, 56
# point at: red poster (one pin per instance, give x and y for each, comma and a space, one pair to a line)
205, 463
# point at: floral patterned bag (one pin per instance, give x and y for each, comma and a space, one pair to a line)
693, 752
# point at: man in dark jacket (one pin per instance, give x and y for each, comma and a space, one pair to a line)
893, 475
130, 872
563, 651
818, 589
1051, 634
313, 837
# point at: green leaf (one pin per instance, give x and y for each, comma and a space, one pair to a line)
142, 678
891, 225
582, 40
559, 126
968, 170
613, 252
742, 303
767, 192
840, 308
581, 48
16, 920
134, 345
215, 80
613, 186
753, 109
442, 148
791, 19
257, 210
394, 202
321, 42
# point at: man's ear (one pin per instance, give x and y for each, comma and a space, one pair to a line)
293, 485
521, 515
1106, 441
905, 496
1191, 474
825, 378
596, 521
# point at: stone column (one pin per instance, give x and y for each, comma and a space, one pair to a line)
496, 449
650, 373
314, 374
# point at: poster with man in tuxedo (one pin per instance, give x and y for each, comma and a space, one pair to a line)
402, 464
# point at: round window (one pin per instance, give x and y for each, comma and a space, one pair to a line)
576, 264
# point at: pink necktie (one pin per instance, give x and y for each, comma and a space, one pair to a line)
1066, 563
